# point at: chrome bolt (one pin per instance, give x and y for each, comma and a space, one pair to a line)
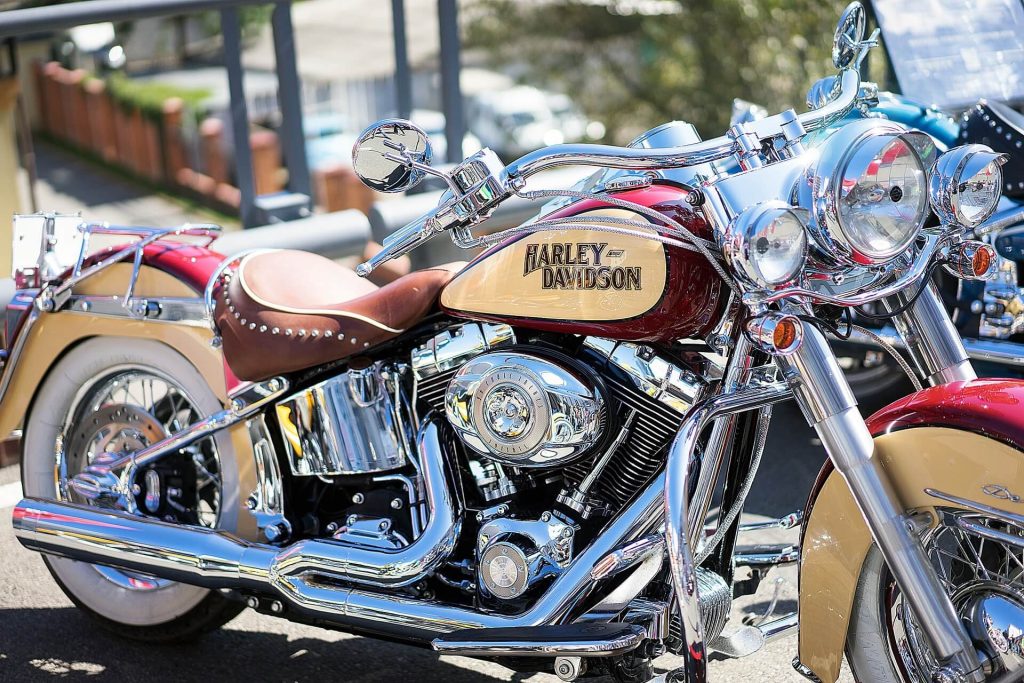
396, 504
276, 607
546, 517
274, 385
358, 498
136, 489
237, 405
384, 525
251, 503
332, 527
351, 520
253, 602
275, 532
567, 532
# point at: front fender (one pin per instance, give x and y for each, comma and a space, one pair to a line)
955, 438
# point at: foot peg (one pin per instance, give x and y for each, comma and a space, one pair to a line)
560, 640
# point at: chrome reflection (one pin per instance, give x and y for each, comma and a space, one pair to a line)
349, 424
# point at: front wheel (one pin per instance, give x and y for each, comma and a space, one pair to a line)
120, 395
984, 579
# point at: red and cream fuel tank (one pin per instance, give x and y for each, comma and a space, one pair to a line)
589, 281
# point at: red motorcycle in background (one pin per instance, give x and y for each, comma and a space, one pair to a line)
516, 458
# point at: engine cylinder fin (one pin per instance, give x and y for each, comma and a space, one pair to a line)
641, 455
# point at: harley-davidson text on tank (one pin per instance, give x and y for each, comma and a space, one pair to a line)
567, 265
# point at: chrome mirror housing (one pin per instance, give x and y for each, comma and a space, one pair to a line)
392, 155
849, 35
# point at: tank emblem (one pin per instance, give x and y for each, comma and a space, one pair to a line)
580, 265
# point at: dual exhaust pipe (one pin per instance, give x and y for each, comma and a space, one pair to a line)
323, 580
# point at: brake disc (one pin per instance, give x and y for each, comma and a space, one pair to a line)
116, 428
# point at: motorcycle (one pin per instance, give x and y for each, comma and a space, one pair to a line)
987, 314
516, 458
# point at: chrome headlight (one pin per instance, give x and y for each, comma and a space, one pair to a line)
870, 193
767, 244
966, 184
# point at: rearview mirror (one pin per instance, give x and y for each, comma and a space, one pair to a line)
391, 155
849, 35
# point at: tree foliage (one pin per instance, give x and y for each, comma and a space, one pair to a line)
672, 59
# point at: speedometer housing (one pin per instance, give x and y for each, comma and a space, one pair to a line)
868, 193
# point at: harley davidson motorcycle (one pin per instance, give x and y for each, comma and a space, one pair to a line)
516, 459
989, 314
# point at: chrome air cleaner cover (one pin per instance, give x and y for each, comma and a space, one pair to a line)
525, 410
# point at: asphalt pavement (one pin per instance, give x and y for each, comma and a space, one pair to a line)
43, 637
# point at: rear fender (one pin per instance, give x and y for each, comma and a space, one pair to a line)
167, 272
956, 438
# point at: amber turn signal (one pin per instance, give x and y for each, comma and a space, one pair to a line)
775, 333
972, 260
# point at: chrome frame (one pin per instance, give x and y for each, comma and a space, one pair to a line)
680, 537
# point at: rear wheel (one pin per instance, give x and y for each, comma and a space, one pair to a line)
984, 579
119, 395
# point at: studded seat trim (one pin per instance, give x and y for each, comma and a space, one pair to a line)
283, 311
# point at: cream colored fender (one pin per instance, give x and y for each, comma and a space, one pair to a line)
836, 539
53, 334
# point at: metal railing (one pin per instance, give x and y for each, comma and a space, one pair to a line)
256, 210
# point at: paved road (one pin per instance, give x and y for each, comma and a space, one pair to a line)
68, 183
43, 637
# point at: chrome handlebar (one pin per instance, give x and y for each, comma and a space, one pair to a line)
485, 183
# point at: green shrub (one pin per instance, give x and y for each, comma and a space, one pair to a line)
149, 96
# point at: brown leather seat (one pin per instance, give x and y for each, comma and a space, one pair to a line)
283, 311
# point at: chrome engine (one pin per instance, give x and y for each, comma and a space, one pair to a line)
582, 432
355, 423
600, 421
525, 410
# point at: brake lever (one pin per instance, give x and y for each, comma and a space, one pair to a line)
476, 187
400, 242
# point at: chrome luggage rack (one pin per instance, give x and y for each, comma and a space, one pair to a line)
185, 310
55, 295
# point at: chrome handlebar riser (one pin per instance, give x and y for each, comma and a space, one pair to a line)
931, 338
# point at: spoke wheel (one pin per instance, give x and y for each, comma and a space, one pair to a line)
974, 570
124, 411
117, 396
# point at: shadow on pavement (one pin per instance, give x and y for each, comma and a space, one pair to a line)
86, 182
63, 643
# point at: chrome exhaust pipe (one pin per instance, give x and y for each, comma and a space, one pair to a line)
191, 554
310, 575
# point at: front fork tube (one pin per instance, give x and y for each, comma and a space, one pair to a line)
828, 404
932, 340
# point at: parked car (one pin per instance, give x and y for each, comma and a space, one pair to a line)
522, 119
